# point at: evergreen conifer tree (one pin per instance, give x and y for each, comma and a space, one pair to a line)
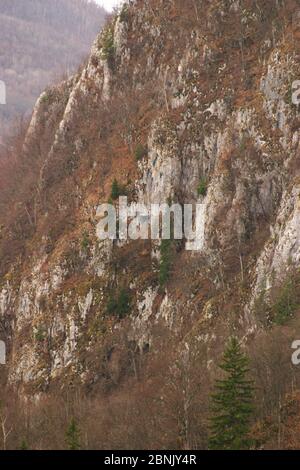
115, 190
232, 407
73, 436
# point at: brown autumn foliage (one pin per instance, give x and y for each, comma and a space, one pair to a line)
144, 400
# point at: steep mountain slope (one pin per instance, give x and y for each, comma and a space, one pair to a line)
205, 90
41, 40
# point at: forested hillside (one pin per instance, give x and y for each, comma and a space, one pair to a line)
40, 41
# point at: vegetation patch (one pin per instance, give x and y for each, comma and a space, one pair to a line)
108, 46
202, 187
141, 151
287, 300
40, 334
85, 242
73, 436
117, 190
124, 14
119, 303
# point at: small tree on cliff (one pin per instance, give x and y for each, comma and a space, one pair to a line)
115, 190
232, 407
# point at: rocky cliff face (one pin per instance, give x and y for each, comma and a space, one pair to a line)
205, 90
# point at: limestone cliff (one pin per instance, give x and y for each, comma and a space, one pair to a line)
181, 101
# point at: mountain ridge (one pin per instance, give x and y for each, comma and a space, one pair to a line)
184, 102
44, 47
